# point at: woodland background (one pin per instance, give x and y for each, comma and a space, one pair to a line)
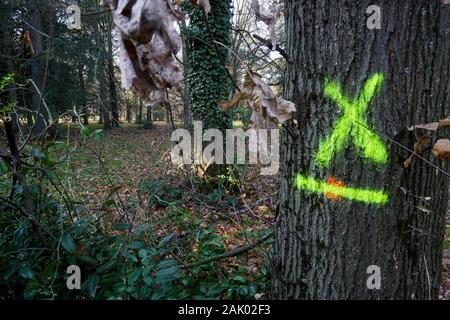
87, 177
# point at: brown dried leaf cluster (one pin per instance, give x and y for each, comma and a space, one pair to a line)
204, 3
268, 16
148, 45
432, 126
419, 147
441, 149
267, 108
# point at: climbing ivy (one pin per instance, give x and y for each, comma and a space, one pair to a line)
207, 78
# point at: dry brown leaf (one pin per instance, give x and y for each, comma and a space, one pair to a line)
419, 146
229, 104
267, 108
27, 41
268, 16
432, 126
204, 3
444, 123
148, 45
441, 149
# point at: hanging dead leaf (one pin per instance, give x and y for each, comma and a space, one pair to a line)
268, 16
27, 41
203, 3
149, 42
444, 123
432, 126
229, 104
419, 146
267, 108
441, 149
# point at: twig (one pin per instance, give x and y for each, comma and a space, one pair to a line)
269, 45
235, 252
406, 148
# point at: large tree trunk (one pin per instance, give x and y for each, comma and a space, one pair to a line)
324, 244
37, 68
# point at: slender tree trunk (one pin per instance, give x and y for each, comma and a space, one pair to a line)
149, 118
112, 84
84, 109
139, 113
187, 112
128, 114
37, 67
325, 243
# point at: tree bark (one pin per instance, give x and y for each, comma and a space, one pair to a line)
37, 68
84, 109
187, 112
9, 51
139, 113
323, 243
112, 84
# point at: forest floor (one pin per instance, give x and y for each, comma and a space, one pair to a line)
132, 158
132, 166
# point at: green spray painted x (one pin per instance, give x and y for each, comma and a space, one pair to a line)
352, 124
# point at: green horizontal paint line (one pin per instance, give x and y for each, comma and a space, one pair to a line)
363, 195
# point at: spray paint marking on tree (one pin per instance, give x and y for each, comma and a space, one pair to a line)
351, 126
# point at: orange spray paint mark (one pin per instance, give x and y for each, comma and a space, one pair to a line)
333, 182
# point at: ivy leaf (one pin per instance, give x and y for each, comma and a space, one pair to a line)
67, 243
137, 245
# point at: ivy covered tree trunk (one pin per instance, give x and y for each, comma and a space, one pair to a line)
207, 78
347, 201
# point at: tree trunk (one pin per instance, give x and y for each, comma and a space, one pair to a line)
326, 240
149, 117
139, 113
129, 113
8, 48
112, 84
37, 68
187, 112
84, 109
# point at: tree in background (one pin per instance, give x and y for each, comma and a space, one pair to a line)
207, 77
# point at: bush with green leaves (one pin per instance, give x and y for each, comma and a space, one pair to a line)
43, 232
